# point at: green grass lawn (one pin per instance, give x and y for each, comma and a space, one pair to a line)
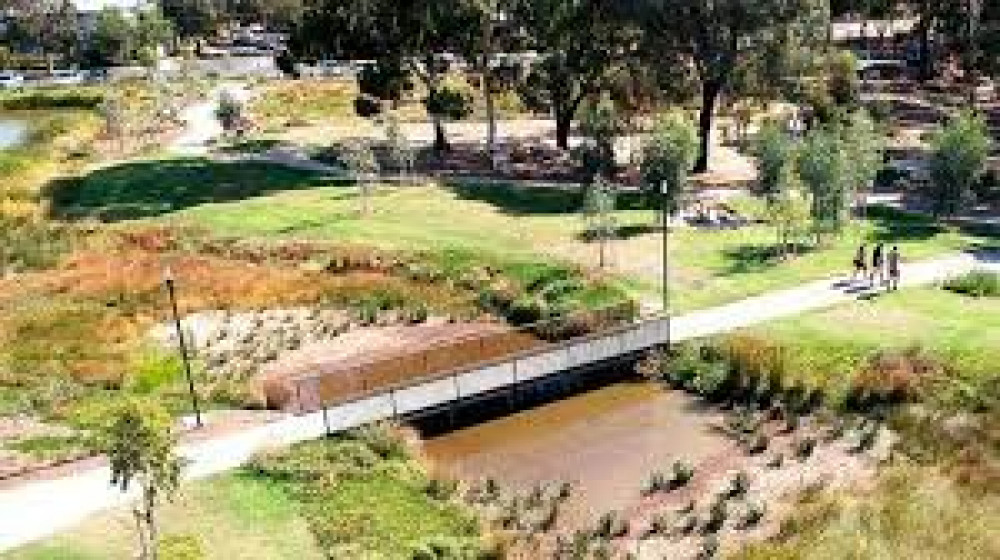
360, 496
235, 516
963, 331
258, 200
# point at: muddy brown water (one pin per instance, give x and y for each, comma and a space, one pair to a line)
606, 441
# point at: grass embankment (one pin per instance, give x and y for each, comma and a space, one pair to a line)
954, 330
268, 201
925, 359
56, 139
356, 496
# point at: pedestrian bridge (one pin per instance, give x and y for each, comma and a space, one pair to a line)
434, 387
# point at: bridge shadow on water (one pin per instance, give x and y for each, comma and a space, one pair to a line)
521, 398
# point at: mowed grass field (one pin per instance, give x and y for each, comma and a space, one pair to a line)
960, 331
234, 516
260, 200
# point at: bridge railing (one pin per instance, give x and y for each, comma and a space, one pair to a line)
327, 387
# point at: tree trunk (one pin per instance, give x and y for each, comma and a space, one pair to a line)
564, 124
491, 120
152, 533
440, 140
926, 64
709, 95
140, 529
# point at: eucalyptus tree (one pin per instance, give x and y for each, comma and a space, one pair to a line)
717, 38
822, 165
958, 161
667, 156
407, 38
599, 214
137, 439
579, 44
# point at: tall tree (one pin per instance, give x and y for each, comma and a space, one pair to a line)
957, 162
715, 37
599, 215
139, 444
667, 156
45, 26
579, 43
411, 36
194, 18
822, 166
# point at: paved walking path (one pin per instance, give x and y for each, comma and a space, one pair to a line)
201, 126
35, 510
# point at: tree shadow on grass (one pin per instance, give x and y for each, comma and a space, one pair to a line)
153, 188
525, 200
755, 257
892, 225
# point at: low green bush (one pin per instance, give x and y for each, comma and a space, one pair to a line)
57, 98
977, 283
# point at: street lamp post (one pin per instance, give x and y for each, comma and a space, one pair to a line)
665, 211
168, 281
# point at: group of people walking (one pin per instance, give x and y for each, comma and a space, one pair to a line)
884, 266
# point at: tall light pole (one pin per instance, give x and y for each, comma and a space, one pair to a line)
665, 212
168, 281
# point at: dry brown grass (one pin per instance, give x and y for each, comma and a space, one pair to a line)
87, 317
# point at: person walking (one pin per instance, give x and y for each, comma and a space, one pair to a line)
860, 263
878, 265
894, 268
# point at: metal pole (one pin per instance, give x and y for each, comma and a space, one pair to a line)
666, 283
169, 281
326, 421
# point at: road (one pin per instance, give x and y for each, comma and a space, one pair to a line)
34, 510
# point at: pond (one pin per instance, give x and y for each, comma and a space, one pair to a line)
12, 133
606, 441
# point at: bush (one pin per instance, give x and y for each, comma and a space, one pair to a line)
611, 525
453, 100
180, 547
72, 98
681, 474
977, 283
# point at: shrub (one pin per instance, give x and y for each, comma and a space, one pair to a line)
229, 111
776, 461
709, 548
804, 447
611, 525
750, 515
441, 489
452, 100
657, 482
447, 548
896, 376
977, 283
738, 484
717, 514
758, 445
180, 547
681, 474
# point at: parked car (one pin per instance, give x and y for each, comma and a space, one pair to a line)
66, 78
10, 80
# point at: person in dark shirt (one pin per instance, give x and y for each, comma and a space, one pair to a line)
860, 263
878, 265
894, 268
